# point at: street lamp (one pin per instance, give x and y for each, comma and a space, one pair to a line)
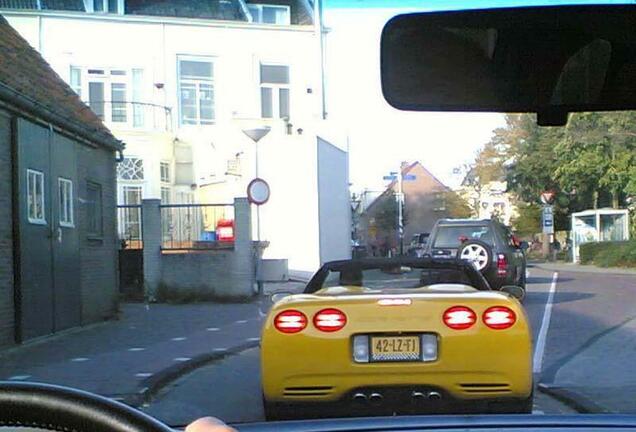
256, 134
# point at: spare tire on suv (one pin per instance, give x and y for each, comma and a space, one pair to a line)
478, 252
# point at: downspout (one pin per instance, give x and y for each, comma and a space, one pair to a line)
15, 222
319, 29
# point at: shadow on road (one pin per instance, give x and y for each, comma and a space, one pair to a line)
541, 298
546, 280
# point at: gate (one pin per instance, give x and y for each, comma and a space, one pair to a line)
131, 252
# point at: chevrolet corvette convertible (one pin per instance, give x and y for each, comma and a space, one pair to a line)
386, 336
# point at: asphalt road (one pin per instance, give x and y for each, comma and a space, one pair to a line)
582, 309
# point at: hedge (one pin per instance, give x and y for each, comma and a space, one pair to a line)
609, 254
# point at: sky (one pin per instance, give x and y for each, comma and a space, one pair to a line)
380, 137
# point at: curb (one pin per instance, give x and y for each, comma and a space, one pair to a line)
149, 387
574, 400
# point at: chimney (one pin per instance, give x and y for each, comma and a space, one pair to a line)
404, 165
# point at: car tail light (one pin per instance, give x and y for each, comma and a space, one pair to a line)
459, 317
330, 320
502, 264
290, 321
499, 317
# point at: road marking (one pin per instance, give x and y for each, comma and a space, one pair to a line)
19, 377
543, 332
219, 349
143, 374
182, 359
178, 339
79, 359
240, 321
254, 339
213, 329
135, 349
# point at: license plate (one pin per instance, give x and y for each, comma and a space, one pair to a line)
395, 348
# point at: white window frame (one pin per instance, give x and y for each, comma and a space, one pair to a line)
66, 220
275, 91
133, 181
77, 87
90, 7
39, 175
168, 167
259, 9
197, 83
168, 191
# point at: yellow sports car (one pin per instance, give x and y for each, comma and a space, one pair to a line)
387, 336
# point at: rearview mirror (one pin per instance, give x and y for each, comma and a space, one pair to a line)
550, 60
279, 295
515, 291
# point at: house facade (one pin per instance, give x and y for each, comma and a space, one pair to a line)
425, 200
178, 82
58, 257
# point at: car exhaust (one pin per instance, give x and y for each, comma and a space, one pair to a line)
376, 398
434, 396
418, 397
360, 398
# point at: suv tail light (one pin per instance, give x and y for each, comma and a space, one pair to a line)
499, 317
502, 264
459, 317
290, 321
330, 320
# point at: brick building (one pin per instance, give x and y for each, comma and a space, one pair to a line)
58, 262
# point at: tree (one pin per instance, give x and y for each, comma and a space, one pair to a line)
386, 213
528, 221
456, 206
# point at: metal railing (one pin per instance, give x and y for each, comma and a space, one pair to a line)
133, 115
129, 226
197, 226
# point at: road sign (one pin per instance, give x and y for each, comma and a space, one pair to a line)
547, 197
389, 178
258, 191
547, 220
409, 177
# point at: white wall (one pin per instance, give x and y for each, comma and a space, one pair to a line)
334, 203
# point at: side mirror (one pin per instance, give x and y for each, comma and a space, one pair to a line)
524, 245
515, 291
279, 295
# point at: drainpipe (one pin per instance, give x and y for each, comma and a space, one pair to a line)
319, 29
15, 222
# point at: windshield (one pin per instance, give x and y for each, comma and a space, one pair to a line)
178, 178
453, 236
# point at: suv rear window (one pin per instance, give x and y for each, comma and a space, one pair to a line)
452, 236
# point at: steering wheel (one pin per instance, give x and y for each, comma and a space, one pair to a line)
65, 409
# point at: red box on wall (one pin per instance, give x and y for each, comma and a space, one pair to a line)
225, 230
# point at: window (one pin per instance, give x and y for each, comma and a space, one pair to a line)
35, 197
165, 172
453, 236
94, 209
165, 195
196, 92
130, 168
108, 93
439, 202
96, 98
274, 91
65, 187
137, 97
76, 80
105, 6
270, 14
118, 100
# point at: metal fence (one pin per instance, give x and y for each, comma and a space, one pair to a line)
197, 226
129, 220
135, 115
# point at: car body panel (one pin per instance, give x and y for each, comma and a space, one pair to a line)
476, 363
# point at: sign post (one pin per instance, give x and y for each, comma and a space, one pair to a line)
258, 194
399, 199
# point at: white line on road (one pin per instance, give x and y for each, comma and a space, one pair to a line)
212, 329
135, 349
79, 359
543, 332
240, 321
143, 374
254, 339
19, 377
219, 349
178, 339
182, 359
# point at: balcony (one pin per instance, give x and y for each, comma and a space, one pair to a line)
137, 116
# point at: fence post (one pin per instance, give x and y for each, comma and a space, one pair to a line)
243, 249
151, 235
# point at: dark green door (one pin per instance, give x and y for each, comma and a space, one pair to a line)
49, 243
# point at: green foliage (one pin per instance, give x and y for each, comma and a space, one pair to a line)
528, 221
609, 254
386, 213
456, 206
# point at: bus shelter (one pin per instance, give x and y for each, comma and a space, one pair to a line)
600, 225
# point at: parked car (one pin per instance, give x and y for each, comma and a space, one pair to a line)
495, 251
417, 248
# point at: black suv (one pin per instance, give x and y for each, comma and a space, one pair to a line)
488, 243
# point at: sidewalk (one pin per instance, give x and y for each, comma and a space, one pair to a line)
571, 267
130, 357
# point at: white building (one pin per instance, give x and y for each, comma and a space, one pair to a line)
178, 81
